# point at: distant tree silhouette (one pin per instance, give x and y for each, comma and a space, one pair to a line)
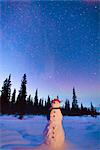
84, 110
82, 106
57, 97
45, 104
74, 102
41, 107
92, 107
36, 98
67, 106
17, 103
40, 103
12, 104
36, 108
29, 105
5, 96
21, 99
24, 104
48, 104
93, 110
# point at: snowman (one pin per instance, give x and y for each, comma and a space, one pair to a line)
54, 133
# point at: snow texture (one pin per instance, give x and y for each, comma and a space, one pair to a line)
81, 133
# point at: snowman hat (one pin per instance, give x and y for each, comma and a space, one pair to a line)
56, 100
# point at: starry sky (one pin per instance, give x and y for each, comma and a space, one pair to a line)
56, 43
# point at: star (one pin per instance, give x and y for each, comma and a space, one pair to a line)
51, 41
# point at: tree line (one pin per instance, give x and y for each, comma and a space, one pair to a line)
25, 104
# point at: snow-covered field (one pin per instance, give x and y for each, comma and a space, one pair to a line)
81, 132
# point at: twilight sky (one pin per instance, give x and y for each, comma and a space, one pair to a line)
55, 43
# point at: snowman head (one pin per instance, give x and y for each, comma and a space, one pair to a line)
55, 103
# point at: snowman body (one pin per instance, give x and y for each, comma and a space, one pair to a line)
54, 135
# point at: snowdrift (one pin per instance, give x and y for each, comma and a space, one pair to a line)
81, 133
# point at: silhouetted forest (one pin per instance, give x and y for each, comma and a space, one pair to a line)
25, 104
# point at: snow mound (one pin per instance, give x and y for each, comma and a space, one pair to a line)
27, 134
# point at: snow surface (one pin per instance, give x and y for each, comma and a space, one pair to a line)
81, 133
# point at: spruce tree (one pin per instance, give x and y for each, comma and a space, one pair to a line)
36, 107
40, 106
57, 97
74, 102
81, 106
13, 97
5, 96
93, 110
36, 99
17, 103
29, 107
45, 105
13, 101
82, 110
92, 107
40, 103
29, 99
48, 104
67, 106
9, 87
21, 99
